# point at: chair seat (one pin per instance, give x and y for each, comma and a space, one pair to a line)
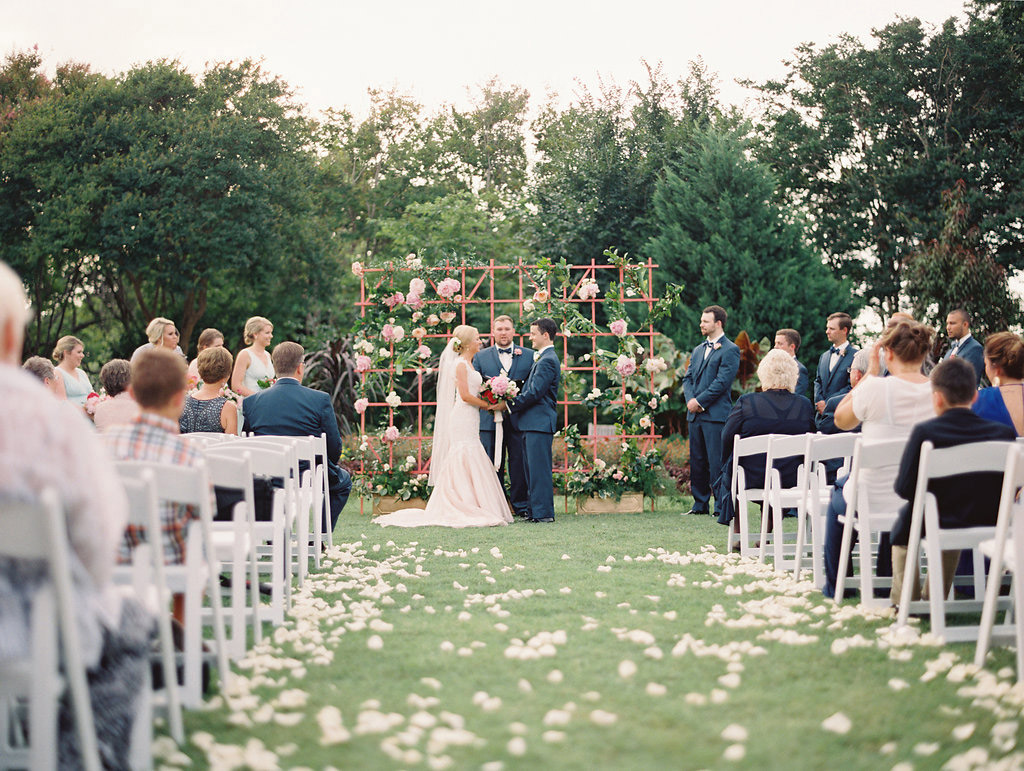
988, 548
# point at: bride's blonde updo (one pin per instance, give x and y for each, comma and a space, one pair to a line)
462, 336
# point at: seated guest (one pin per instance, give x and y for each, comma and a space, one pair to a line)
968, 500
44, 370
776, 410
1003, 402
162, 334
208, 409
885, 408
288, 408
49, 443
208, 338
68, 354
120, 407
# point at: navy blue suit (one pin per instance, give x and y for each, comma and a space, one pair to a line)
709, 381
288, 408
533, 414
834, 382
488, 364
971, 351
802, 379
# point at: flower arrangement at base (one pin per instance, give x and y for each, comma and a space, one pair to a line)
380, 478
633, 472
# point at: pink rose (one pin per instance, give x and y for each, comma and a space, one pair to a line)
357, 269
413, 300
396, 299
423, 352
617, 475
391, 434
361, 405
419, 333
448, 287
363, 363
588, 289
499, 385
388, 333
447, 316
398, 333
625, 365
417, 286
417, 316
433, 320
619, 327
653, 403
541, 296
655, 364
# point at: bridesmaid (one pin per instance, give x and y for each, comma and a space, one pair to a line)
209, 338
253, 363
162, 334
1004, 366
68, 354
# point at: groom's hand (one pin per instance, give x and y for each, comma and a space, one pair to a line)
497, 407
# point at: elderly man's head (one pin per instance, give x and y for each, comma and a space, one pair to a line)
14, 315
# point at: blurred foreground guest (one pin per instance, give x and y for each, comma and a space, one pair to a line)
1004, 365
209, 408
119, 406
68, 354
208, 338
47, 443
44, 370
162, 334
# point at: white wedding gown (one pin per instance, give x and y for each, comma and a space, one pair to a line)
466, 488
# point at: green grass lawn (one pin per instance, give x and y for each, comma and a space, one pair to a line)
612, 641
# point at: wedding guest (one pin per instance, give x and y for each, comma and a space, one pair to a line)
254, 365
119, 407
162, 334
44, 370
48, 443
1003, 402
884, 408
962, 343
776, 410
208, 409
833, 374
208, 338
69, 353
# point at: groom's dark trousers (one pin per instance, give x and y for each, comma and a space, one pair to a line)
534, 415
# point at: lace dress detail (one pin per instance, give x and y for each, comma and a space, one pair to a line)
466, 491
201, 415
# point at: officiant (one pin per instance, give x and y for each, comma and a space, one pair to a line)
503, 357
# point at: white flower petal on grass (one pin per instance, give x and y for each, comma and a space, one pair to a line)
926, 748
837, 723
553, 737
734, 733
375, 642
888, 748
557, 717
592, 696
600, 717
906, 765
731, 680
656, 689
963, 732
517, 746
431, 682
524, 685
464, 652
566, 557
898, 684
565, 590
285, 750
735, 752
604, 568
718, 696
626, 669
447, 646
696, 699
494, 765
519, 729
555, 676
288, 718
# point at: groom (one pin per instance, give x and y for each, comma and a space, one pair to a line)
513, 361
533, 415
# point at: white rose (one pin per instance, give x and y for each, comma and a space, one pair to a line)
393, 400
628, 398
645, 422
384, 353
387, 467
528, 306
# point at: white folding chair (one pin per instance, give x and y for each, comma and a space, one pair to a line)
191, 486
779, 498
868, 521
147, 576
201, 439
235, 544
1006, 552
822, 448
37, 531
742, 495
977, 457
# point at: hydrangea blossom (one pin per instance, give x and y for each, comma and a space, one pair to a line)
391, 434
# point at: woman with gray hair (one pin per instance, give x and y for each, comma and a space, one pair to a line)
774, 410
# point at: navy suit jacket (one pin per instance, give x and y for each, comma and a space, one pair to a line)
830, 383
288, 408
709, 381
487, 363
973, 352
534, 408
802, 379
965, 500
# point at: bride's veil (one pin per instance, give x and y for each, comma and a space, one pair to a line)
445, 403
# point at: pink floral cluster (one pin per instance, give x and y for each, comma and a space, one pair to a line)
417, 286
391, 434
619, 327
361, 405
588, 289
363, 363
398, 298
448, 288
625, 365
392, 333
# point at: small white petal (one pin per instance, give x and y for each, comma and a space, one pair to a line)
734, 733
735, 752
517, 746
837, 723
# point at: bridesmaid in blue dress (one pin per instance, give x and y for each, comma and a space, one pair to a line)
68, 355
1004, 366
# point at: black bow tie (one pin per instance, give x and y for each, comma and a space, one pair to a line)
504, 350
833, 349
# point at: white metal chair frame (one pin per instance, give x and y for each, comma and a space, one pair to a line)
742, 495
779, 498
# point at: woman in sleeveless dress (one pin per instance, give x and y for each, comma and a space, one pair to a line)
1003, 402
68, 355
466, 491
253, 363
207, 409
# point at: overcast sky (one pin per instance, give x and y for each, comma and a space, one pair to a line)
331, 51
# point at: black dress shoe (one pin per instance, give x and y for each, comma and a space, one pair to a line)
542, 519
693, 511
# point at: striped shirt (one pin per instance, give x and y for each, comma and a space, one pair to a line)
154, 439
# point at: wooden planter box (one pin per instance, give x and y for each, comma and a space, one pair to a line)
629, 503
385, 504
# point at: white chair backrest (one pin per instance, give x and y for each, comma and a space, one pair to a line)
869, 457
832, 446
181, 484
264, 460
786, 446
747, 446
963, 459
234, 471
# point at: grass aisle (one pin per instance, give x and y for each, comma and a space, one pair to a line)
613, 641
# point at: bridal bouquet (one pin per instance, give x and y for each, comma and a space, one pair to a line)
498, 389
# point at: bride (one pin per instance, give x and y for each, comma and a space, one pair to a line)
466, 492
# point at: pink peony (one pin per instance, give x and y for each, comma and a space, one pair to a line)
625, 365
417, 286
617, 475
387, 332
398, 333
357, 269
655, 364
499, 385
448, 316
619, 327
391, 434
448, 288
396, 299
363, 363
413, 300
361, 405
417, 316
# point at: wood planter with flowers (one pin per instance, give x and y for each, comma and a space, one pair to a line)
385, 504
629, 503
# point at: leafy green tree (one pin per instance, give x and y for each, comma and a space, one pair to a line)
720, 233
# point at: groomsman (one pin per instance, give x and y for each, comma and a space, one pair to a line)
706, 387
833, 376
962, 343
513, 361
534, 414
788, 340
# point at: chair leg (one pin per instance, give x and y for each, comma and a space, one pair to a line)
844, 558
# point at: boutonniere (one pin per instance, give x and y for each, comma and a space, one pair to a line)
716, 346
536, 355
517, 351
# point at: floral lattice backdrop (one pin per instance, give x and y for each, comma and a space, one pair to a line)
607, 343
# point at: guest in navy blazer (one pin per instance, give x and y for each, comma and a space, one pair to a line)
515, 362
533, 413
288, 408
962, 343
833, 375
706, 387
788, 340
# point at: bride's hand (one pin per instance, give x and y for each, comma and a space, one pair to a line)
497, 407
